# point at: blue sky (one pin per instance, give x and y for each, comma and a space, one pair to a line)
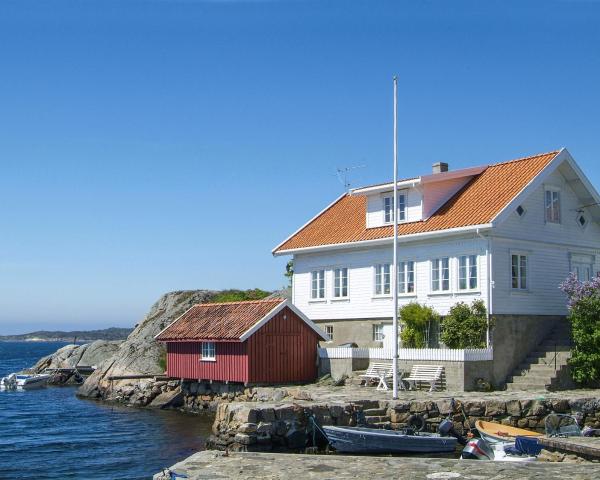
153, 145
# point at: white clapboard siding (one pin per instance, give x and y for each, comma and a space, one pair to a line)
432, 354
362, 302
549, 248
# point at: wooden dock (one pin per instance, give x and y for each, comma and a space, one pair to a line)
586, 447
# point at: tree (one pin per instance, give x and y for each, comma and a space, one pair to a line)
584, 317
465, 326
417, 321
289, 272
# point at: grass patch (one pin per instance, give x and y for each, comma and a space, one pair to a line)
239, 295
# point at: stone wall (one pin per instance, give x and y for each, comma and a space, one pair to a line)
514, 337
261, 427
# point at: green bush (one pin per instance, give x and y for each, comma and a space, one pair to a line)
585, 328
239, 295
162, 360
417, 320
465, 326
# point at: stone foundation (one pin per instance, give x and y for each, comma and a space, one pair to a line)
262, 427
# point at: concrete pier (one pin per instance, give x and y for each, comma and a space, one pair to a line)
218, 465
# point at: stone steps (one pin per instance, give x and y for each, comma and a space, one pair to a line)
537, 371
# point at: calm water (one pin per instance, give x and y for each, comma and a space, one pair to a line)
50, 434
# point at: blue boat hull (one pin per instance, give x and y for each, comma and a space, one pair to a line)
373, 440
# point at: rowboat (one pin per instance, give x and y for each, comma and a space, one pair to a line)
375, 440
495, 432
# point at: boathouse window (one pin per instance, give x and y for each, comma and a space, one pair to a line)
520, 272
329, 332
208, 351
440, 274
340, 283
383, 279
552, 206
317, 291
406, 277
467, 272
388, 208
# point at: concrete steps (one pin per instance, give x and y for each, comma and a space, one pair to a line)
542, 368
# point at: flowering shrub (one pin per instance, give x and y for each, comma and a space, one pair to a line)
584, 316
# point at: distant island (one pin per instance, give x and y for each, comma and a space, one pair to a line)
112, 333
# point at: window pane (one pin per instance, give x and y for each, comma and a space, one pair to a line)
410, 274
462, 273
313, 293
402, 207
515, 271
472, 271
445, 273
435, 275
402, 277
523, 272
386, 279
378, 280
388, 209
321, 283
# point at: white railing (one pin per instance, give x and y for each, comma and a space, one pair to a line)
437, 354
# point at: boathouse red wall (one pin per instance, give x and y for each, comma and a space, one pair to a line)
284, 350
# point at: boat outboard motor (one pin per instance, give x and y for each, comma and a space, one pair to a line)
446, 428
477, 449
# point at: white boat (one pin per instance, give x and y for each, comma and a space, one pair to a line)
24, 381
480, 449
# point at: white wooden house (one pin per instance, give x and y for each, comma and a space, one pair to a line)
507, 233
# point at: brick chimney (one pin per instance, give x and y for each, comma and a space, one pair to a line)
440, 167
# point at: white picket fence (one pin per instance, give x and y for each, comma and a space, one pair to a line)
436, 354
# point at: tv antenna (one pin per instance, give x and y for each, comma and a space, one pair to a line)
342, 174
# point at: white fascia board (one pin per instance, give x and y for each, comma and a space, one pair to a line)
173, 322
274, 251
586, 182
286, 303
535, 183
413, 182
386, 240
451, 175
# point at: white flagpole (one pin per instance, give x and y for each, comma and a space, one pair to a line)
395, 255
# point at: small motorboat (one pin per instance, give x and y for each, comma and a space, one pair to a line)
376, 440
493, 432
479, 449
24, 381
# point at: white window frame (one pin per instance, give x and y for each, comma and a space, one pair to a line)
388, 207
555, 217
328, 329
341, 295
587, 220
439, 263
206, 349
519, 287
379, 272
378, 334
469, 258
403, 276
318, 294
578, 261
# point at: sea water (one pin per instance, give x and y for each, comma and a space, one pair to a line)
49, 433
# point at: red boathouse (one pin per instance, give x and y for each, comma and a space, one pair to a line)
254, 342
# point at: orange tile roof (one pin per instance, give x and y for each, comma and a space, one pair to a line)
218, 321
477, 203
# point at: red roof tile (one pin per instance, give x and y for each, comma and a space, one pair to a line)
477, 203
218, 321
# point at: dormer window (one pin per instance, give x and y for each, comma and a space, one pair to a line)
388, 208
552, 206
